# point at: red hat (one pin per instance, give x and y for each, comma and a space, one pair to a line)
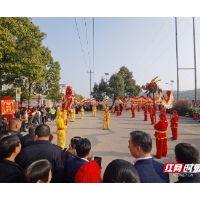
88, 173
163, 116
175, 112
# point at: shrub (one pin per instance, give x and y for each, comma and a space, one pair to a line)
183, 108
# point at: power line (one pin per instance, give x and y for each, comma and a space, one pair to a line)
150, 43
87, 42
158, 47
167, 64
93, 50
80, 42
156, 59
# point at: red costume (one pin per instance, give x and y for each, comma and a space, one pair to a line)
161, 136
163, 111
149, 108
161, 108
126, 107
29, 111
174, 125
152, 115
118, 111
146, 113
133, 111
138, 107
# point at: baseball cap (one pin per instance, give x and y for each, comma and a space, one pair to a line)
88, 173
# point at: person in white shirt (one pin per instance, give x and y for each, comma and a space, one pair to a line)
36, 117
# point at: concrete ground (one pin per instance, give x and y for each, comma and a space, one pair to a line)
113, 144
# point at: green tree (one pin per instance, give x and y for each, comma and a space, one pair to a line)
24, 62
21, 59
130, 87
100, 90
116, 87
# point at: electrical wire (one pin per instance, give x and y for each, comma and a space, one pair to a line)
87, 41
167, 64
157, 48
150, 43
93, 50
80, 42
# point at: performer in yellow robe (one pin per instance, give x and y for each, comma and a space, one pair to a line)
61, 139
65, 116
106, 119
72, 114
82, 112
94, 110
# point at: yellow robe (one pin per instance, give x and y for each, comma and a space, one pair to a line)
82, 113
72, 115
94, 111
106, 119
65, 116
61, 139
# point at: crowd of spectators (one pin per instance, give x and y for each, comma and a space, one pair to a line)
36, 115
35, 159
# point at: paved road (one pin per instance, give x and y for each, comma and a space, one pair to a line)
113, 144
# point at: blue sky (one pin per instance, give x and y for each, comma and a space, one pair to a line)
145, 45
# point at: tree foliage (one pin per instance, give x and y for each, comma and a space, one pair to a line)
100, 90
130, 87
116, 87
24, 62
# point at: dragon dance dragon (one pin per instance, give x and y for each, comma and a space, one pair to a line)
152, 87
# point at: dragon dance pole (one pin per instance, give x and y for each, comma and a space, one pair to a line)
154, 107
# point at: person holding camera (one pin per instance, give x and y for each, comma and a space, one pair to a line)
71, 152
73, 164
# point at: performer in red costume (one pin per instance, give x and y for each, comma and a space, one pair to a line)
174, 125
133, 111
126, 107
139, 107
145, 113
161, 108
152, 115
118, 110
155, 108
161, 136
149, 108
164, 112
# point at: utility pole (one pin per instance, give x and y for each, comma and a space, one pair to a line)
195, 68
90, 81
177, 59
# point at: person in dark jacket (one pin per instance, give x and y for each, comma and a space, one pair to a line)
10, 172
4, 134
14, 127
83, 147
44, 149
187, 154
151, 171
29, 138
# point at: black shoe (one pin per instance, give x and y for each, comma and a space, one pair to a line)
156, 157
